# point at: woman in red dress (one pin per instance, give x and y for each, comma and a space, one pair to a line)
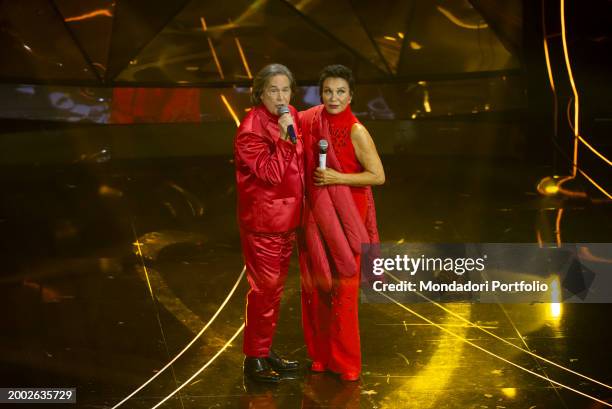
339, 218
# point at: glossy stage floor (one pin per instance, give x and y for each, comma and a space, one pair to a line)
111, 270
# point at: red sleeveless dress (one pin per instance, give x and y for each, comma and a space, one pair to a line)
340, 126
330, 319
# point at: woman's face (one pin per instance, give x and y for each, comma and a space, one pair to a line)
276, 93
336, 94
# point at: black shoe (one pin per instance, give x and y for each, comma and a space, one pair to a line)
280, 364
258, 369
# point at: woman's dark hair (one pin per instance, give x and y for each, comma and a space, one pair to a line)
337, 71
262, 77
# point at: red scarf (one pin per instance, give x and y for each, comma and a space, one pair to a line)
331, 219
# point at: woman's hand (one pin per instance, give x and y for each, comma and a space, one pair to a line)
325, 177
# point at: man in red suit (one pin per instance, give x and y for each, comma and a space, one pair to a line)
270, 182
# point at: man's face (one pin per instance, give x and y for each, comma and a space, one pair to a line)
276, 93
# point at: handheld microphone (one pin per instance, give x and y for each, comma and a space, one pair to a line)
323, 145
285, 110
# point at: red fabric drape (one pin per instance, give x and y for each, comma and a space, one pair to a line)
331, 219
155, 105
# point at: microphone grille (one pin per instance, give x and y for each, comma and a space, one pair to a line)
323, 145
283, 110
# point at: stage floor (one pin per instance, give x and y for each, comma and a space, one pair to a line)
110, 270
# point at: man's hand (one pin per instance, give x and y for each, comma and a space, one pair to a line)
325, 177
284, 121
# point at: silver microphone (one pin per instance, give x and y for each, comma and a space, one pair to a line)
323, 145
285, 110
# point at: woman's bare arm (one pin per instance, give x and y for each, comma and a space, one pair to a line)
365, 151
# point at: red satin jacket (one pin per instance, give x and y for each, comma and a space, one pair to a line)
269, 174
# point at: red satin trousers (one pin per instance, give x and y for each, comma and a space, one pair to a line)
267, 257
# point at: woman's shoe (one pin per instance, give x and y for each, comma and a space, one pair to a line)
350, 376
317, 367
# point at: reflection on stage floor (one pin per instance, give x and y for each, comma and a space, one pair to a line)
111, 271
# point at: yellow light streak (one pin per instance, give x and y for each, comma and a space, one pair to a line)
426, 104
245, 63
212, 49
601, 189
431, 373
243, 58
539, 237
144, 267
230, 109
568, 112
173, 304
455, 20
500, 338
494, 354
569, 193
522, 339
195, 338
558, 226
199, 371
390, 38
574, 90
95, 13
551, 79
581, 139
575, 126
256, 6
146, 273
